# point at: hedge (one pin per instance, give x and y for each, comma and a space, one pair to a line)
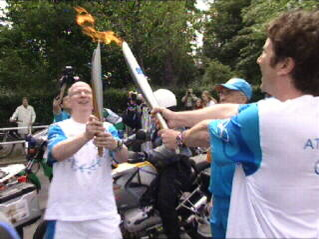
115, 99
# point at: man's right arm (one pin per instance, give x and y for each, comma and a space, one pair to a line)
57, 100
60, 147
220, 111
56, 105
190, 118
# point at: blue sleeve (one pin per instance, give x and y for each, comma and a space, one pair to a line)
55, 135
237, 139
111, 129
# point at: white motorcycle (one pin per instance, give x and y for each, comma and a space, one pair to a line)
134, 185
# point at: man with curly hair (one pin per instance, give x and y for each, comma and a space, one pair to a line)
274, 142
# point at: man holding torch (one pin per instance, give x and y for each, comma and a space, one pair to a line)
81, 202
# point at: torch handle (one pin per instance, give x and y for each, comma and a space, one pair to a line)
161, 120
97, 114
100, 151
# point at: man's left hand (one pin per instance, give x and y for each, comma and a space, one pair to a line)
105, 140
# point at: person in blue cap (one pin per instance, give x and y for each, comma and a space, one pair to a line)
237, 91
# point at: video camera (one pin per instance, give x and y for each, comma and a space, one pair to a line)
69, 76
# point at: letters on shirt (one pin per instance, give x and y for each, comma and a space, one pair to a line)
312, 144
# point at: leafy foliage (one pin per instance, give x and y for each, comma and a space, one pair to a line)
236, 32
43, 38
216, 73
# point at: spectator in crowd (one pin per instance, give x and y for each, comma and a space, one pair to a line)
198, 104
132, 114
24, 116
189, 99
208, 99
60, 105
236, 90
61, 110
115, 119
275, 192
81, 202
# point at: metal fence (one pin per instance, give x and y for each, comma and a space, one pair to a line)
24, 127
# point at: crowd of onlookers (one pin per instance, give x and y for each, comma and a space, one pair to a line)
191, 101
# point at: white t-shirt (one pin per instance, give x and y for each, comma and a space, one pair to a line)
81, 188
275, 190
25, 116
210, 103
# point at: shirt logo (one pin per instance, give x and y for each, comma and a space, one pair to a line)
222, 130
139, 71
88, 168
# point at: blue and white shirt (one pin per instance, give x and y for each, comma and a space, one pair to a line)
81, 188
275, 191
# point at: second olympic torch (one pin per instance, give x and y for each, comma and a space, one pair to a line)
141, 81
87, 22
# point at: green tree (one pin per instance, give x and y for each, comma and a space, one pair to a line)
43, 38
235, 32
255, 19
216, 73
225, 22
159, 35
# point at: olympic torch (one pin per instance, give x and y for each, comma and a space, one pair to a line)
87, 22
141, 81
97, 88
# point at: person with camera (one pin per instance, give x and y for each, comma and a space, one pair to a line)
24, 116
60, 105
81, 201
189, 99
132, 114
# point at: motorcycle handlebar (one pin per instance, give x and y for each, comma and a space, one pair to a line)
141, 136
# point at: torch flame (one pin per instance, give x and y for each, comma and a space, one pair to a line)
84, 18
87, 21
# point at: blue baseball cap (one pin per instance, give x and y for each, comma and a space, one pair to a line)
237, 84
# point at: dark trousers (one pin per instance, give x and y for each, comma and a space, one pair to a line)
173, 179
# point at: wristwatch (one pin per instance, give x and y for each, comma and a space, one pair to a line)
119, 145
180, 140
